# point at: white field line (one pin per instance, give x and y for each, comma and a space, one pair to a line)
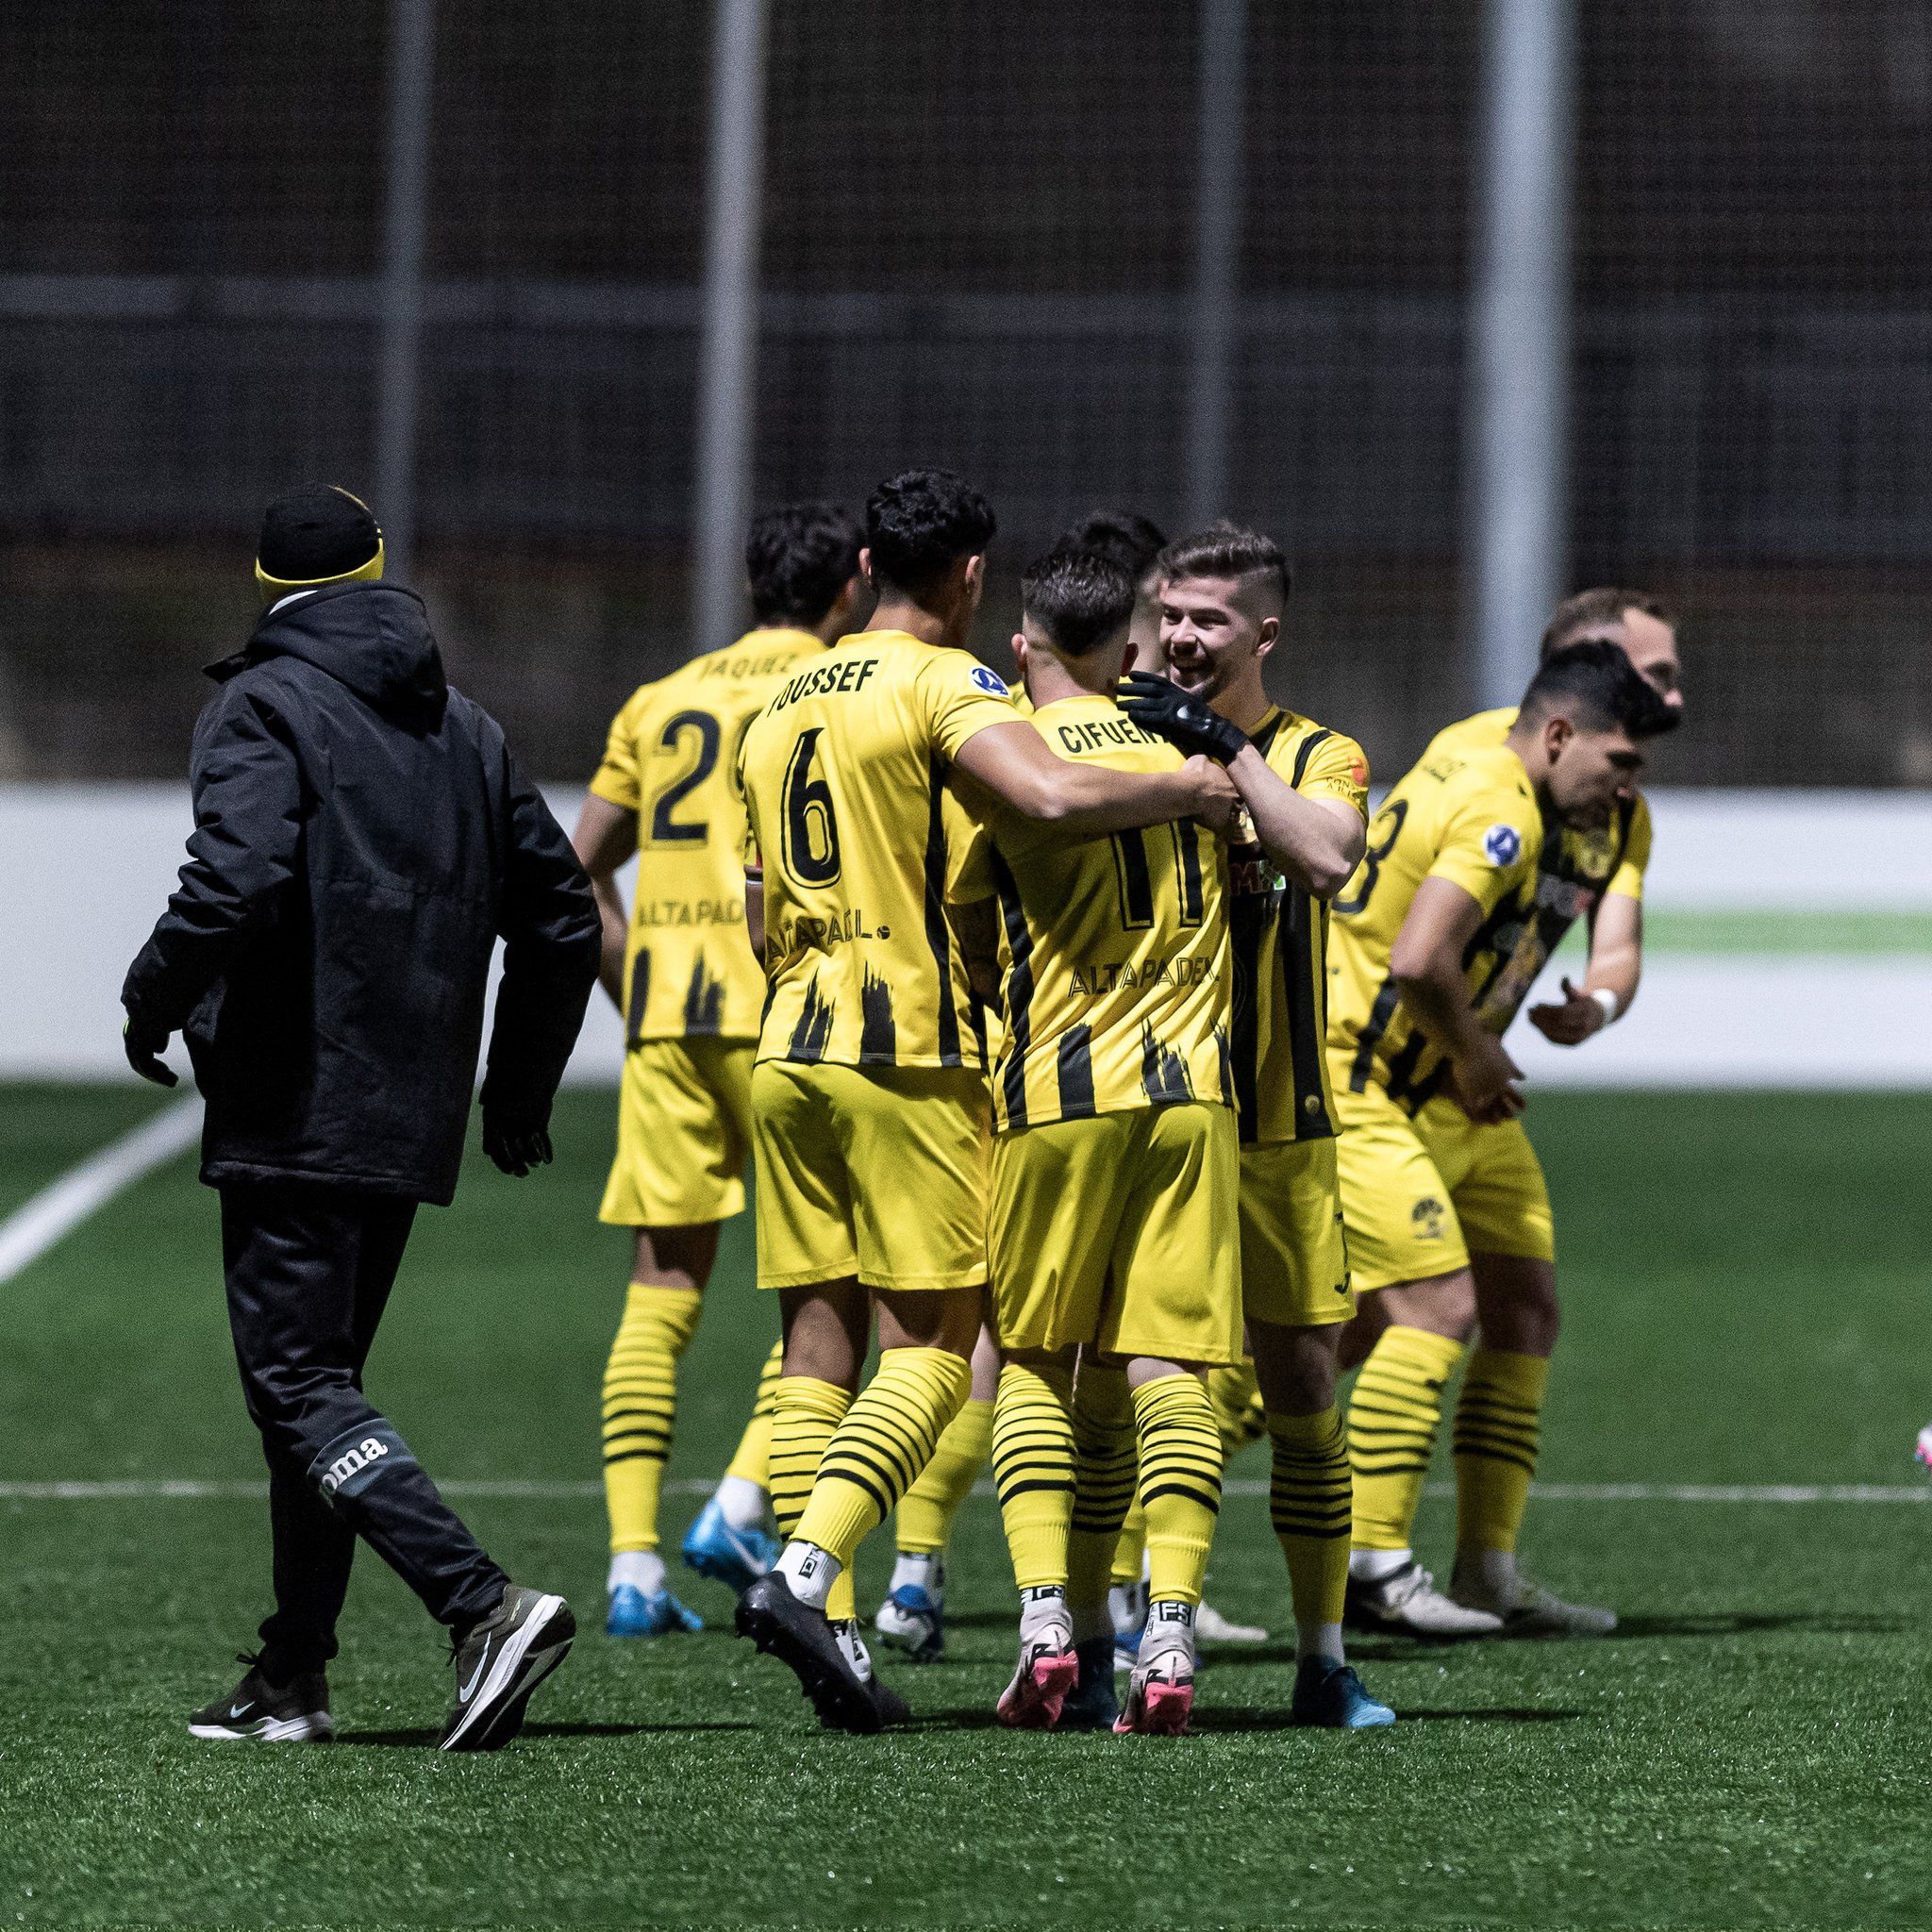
147, 1489
57, 1209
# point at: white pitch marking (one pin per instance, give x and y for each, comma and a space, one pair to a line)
140, 1490
59, 1209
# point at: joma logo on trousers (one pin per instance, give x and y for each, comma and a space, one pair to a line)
345, 1465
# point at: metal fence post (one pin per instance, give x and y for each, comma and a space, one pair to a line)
404, 228
1220, 112
727, 368
1516, 423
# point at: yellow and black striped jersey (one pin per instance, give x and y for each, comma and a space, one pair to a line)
858, 837
1470, 817
1281, 949
1582, 866
1114, 958
672, 758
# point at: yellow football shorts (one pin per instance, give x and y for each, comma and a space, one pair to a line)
1418, 1195
1295, 1261
1119, 1231
877, 1171
683, 1132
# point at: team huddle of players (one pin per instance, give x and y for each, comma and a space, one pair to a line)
1101, 1056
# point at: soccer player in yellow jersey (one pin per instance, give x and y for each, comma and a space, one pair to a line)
869, 1100
1223, 596
681, 972
1436, 944
912, 1617
1115, 1172
1593, 872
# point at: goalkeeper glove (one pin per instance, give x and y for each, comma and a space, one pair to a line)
1191, 724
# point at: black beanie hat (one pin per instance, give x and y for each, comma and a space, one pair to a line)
316, 531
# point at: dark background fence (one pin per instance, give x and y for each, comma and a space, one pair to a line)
978, 235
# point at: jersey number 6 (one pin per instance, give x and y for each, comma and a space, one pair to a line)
811, 828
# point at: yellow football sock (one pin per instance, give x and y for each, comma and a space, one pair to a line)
806, 1414
639, 1405
1309, 1502
1238, 1411
923, 1523
1393, 1419
886, 1437
753, 1458
1181, 1483
1103, 1468
1497, 1423
1033, 1470
1130, 1551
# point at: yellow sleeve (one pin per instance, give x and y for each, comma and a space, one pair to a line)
617, 776
1627, 880
957, 696
1337, 768
968, 847
1491, 839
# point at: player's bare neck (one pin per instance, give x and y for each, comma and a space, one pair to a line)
1245, 704
1049, 679
915, 620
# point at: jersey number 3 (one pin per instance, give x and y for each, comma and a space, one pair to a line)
811, 827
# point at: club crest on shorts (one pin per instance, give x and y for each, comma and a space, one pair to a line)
990, 682
1427, 1216
1502, 844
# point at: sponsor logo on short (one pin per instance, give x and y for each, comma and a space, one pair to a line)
990, 682
1427, 1217
1502, 844
369, 1449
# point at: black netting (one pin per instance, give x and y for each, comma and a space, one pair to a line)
978, 249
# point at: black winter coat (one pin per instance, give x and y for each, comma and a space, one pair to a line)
361, 837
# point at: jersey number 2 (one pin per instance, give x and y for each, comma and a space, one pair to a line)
811, 827
665, 829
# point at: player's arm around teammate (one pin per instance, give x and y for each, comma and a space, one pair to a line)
679, 971
870, 1106
1224, 597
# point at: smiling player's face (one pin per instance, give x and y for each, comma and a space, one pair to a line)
1212, 633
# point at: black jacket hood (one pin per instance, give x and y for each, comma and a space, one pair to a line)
372, 638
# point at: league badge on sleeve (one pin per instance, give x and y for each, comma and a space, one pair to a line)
989, 681
1502, 844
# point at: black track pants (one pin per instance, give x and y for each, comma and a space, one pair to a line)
310, 1271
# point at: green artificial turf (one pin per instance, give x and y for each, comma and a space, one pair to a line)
1745, 1303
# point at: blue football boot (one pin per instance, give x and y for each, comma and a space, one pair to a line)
648, 1613
912, 1622
1330, 1695
1092, 1704
734, 1558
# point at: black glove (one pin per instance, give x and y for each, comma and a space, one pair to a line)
145, 1046
515, 1149
1190, 724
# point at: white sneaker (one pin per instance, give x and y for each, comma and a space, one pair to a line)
1407, 1599
1922, 1450
1210, 1627
1530, 1610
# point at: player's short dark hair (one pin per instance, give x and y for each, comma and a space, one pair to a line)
799, 557
1225, 550
1601, 689
920, 523
1079, 598
1122, 536
1592, 613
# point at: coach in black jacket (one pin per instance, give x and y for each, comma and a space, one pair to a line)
362, 836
